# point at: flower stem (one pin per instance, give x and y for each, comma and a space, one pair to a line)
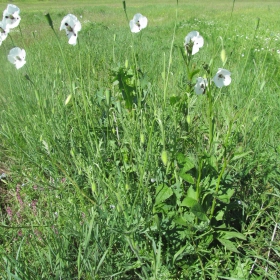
211, 118
170, 57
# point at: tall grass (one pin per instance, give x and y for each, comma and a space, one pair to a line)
116, 169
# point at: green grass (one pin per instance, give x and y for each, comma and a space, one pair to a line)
159, 183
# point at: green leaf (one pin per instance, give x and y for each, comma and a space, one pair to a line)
179, 252
174, 100
187, 177
197, 210
191, 193
181, 157
188, 165
229, 245
225, 198
163, 192
188, 202
220, 215
238, 156
180, 221
233, 234
193, 73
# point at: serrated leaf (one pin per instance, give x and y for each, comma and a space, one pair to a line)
163, 192
229, 245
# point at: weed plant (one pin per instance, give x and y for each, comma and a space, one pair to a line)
116, 169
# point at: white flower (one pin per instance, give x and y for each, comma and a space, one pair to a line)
11, 16
3, 32
138, 23
17, 57
193, 42
200, 85
222, 78
72, 26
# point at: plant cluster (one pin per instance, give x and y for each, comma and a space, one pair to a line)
120, 176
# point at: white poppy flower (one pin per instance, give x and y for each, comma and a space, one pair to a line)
193, 42
222, 78
138, 23
3, 32
200, 85
11, 16
72, 26
17, 57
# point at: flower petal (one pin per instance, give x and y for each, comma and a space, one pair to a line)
133, 27
138, 23
72, 40
72, 26
200, 85
11, 16
17, 57
222, 78
227, 80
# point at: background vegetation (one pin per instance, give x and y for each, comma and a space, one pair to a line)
114, 167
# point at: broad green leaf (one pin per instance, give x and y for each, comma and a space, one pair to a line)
225, 198
197, 210
220, 215
188, 165
229, 245
186, 162
180, 221
187, 177
163, 192
233, 234
191, 192
181, 157
188, 202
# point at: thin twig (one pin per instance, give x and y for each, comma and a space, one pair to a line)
270, 244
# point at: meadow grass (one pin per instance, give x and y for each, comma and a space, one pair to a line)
116, 169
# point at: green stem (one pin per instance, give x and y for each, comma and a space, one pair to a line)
170, 58
217, 188
211, 118
198, 180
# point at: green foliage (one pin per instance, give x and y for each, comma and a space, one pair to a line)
116, 169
